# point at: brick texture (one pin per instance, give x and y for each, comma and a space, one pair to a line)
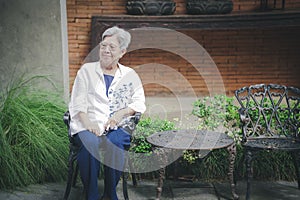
242, 57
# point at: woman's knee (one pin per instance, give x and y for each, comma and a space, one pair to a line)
88, 138
90, 141
119, 138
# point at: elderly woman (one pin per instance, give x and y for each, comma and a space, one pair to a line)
104, 93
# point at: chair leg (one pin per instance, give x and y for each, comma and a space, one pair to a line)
263, 4
70, 175
282, 7
75, 175
125, 177
125, 185
125, 190
134, 181
296, 159
232, 154
248, 160
133, 175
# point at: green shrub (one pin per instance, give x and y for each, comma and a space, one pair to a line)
33, 138
139, 145
218, 111
213, 113
146, 127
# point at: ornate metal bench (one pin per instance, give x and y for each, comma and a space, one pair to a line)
270, 116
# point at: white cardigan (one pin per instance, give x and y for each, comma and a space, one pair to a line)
89, 95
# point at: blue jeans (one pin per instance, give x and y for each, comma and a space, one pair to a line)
89, 158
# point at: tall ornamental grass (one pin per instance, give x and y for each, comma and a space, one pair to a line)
33, 137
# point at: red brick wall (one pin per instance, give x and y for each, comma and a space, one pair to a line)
254, 56
245, 56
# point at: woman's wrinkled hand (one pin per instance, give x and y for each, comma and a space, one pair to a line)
90, 126
94, 128
111, 124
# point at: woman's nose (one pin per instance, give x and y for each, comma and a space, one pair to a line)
107, 49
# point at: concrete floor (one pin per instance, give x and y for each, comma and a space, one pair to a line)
173, 190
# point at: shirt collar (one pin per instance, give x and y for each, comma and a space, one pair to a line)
119, 72
98, 69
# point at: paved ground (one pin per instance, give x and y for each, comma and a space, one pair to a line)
172, 191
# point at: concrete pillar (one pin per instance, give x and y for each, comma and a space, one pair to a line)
33, 40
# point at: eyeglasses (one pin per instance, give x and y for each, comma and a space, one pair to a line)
111, 47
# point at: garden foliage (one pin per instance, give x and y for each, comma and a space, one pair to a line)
34, 142
219, 112
33, 139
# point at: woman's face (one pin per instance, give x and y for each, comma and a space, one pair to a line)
110, 52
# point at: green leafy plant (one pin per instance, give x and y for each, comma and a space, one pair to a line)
139, 145
146, 127
215, 112
33, 139
218, 111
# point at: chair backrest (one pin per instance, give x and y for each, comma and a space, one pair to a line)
269, 110
67, 118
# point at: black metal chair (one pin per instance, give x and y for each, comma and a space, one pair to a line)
128, 125
270, 116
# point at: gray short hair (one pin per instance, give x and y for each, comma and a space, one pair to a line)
123, 36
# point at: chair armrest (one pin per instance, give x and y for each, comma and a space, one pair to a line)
130, 123
67, 118
137, 117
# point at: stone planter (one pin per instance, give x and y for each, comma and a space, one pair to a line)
150, 7
205, 7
